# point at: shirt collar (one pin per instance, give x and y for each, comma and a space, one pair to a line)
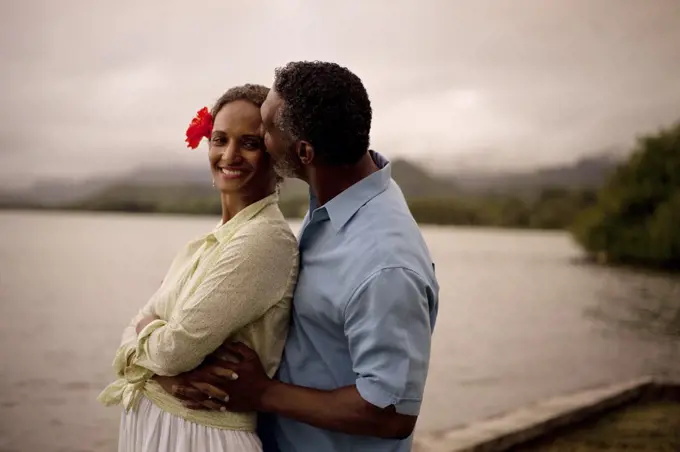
224, 231
343, 207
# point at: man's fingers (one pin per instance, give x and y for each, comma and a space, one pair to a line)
197, 398
215, 375
194, 405
239, 349
224, 373
211, 391
188, 393
209, 404
223, 355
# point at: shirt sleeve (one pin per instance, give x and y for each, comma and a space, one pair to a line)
388, 324
154, 306
251, 275
128, 342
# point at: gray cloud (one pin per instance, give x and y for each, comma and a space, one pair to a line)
96, 87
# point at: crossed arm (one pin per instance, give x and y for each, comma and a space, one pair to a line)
225, 301
144, 322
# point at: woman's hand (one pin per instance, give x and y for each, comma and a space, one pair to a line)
144, 322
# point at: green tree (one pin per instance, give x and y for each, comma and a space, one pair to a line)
636, 218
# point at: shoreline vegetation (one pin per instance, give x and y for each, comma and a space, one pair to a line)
620, 215
552, 208
636, 217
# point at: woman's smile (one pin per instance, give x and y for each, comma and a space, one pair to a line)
231, 173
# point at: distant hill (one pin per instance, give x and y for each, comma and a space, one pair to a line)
193, 181
589, 172
416, 182
54, 192
149, 184
413, 180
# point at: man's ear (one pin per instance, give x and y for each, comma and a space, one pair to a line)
305, 152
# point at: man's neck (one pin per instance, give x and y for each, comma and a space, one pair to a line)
327, 182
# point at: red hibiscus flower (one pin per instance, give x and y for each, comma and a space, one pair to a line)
200, 127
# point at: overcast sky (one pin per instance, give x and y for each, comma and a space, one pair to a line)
92, 87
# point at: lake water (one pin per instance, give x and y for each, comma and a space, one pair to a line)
520, 320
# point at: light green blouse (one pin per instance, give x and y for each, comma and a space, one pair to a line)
236, 282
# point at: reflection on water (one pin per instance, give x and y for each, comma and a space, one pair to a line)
645, 303
519, 321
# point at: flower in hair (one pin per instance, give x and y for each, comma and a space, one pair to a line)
200, 127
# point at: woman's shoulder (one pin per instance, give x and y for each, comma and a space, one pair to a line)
270, 227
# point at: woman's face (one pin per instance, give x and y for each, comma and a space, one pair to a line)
237, 157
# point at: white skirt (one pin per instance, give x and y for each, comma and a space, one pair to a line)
150, 429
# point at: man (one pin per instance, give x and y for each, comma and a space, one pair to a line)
356, 358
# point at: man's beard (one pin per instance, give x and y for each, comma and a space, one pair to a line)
288, 166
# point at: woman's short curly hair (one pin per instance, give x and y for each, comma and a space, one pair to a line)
326, 105
255, 94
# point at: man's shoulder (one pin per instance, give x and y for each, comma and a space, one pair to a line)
388, 237
387, 221
387, 210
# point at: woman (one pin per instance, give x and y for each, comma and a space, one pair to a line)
235, 283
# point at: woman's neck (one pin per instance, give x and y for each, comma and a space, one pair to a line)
233, 203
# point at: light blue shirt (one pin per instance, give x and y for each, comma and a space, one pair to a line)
363, 311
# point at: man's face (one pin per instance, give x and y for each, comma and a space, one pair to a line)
280, 145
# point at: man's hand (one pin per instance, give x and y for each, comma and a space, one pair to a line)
144, 322
234, 379
169, 383
184, 387
234, 376
211, 386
